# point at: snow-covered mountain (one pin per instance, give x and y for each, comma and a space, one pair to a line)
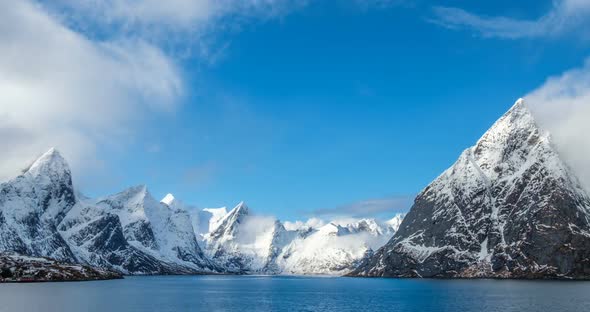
246, 243
132, 232
33, 204
509, 208
333, 249
41, 215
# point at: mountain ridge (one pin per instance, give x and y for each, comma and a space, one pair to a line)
489, 214
42, 215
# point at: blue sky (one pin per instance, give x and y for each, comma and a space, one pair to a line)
329, 103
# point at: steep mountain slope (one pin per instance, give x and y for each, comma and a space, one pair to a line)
132, 232
509, 207
33, 204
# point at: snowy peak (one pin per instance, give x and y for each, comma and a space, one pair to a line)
168, 200
174, 204
236, 214
395, 222
135, 194
508, 207
50, 164
228, 226
240, 209
33, 204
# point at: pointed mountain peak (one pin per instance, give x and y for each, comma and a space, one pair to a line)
138, 191
242, 208
519, 109
395, 222
168, 200
136, 195
515, 125
231, 220
50, 163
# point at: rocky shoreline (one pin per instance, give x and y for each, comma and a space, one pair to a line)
24, 269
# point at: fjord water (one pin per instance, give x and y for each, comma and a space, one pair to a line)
252, 293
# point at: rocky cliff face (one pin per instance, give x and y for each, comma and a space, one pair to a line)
508, 208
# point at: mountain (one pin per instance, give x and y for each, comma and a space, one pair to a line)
133, 233
508, 208
333, 249
243, 243
42, 215
33, 204
246, 243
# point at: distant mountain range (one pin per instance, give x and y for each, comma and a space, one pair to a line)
508, 208
41, 215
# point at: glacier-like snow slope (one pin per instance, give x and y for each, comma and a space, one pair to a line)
508, 208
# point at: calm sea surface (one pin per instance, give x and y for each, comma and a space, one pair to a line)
250, 293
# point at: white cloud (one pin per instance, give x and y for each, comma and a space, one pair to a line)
57, 88
562, 106
312, 223
156, 17
61, 86
565, 16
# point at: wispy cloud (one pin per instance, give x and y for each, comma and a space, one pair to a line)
57, 88
564, 17
386, 207
82, 75
384, 4
172, 18
201, 175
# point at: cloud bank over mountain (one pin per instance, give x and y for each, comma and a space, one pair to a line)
562, 106
60, 88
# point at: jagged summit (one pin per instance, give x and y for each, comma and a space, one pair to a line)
228, 226
50, 163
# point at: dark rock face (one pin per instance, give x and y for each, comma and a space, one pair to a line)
508, 208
